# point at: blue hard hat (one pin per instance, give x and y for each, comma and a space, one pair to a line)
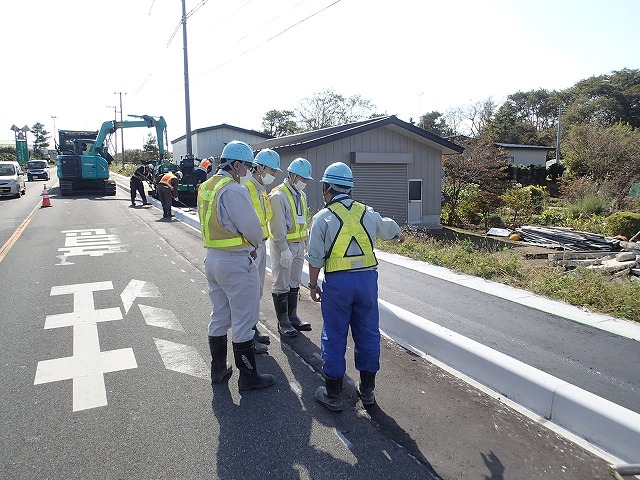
301, 167
236, 150
338, 174
268, 158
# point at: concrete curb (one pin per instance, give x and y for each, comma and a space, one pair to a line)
605, 424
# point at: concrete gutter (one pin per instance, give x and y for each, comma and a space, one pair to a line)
600, 422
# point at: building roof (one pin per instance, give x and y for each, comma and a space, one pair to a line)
315, 138
222, 125
513, 146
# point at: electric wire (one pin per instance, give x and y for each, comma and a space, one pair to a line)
267, 40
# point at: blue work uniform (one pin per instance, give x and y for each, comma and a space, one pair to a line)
341, 242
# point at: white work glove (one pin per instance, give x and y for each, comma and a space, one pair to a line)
286, 259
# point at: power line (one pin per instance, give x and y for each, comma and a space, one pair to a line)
268, 40
186, 17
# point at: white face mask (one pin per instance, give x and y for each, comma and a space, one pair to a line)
299, 185
268, 179
243, 179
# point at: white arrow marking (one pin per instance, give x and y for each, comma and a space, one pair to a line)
137, 288
159, 317
182, 358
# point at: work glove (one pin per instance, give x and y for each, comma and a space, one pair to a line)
286, 259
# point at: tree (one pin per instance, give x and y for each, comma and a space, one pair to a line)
151, 146
606, 99
329, 108
436, 123
482, 164
608, 156
41, 142
279, 123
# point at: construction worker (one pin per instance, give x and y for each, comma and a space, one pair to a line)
266, 165
231, 231
168, 191
201, 172
341, 241
142, 173
288, 230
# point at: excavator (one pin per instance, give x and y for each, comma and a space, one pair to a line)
83, 162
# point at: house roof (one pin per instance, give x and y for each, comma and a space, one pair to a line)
315, 138
223, 125
514, 146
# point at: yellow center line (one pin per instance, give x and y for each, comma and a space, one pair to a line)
14, 238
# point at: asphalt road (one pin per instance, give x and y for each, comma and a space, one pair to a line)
120, 389
600, 362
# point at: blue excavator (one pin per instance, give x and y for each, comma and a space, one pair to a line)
84, 159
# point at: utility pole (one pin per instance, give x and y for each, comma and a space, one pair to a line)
115, 120
122, 130
186, 81
560, 109
55, 138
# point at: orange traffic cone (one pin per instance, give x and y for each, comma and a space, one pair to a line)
45, 198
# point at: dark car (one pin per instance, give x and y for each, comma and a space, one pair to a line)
37, 169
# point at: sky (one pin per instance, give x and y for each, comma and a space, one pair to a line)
67, 58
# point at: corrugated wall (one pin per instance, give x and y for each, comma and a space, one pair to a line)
383, 187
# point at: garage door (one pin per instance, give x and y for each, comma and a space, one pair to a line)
383, 187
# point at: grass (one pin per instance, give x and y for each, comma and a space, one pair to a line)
590, 289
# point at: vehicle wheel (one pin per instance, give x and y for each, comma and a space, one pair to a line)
29, 179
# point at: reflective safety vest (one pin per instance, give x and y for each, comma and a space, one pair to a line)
166, 179
351, 230
204, 165
213, 235
298, 232
263, 208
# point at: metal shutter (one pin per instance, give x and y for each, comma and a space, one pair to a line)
383, 187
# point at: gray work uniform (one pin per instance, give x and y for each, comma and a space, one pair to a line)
232, 274
282, 221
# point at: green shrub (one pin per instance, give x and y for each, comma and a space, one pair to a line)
552, 216
588, 205
623, 223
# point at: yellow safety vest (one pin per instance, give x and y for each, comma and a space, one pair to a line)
298, 232
351, 230
263, 209
213, 235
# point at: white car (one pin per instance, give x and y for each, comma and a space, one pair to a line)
12, 182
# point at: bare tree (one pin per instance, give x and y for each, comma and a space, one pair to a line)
329, 108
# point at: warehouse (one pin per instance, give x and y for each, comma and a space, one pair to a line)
397, 167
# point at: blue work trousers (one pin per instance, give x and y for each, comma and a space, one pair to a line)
350, 299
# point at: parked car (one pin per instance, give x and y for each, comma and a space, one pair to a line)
37, 169
12, 182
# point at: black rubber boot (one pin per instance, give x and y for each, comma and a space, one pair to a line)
220, 369
329, 395
246, 362
259, 337
281, 302
367, 387
292, 305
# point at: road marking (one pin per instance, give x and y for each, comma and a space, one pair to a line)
87, 366
14, 237
92, 242
182, 358
135, 289
160, 317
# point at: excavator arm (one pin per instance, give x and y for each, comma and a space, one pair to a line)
148, 121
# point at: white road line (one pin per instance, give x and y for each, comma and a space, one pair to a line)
87, 366
135, 289
160, 317
182, 358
